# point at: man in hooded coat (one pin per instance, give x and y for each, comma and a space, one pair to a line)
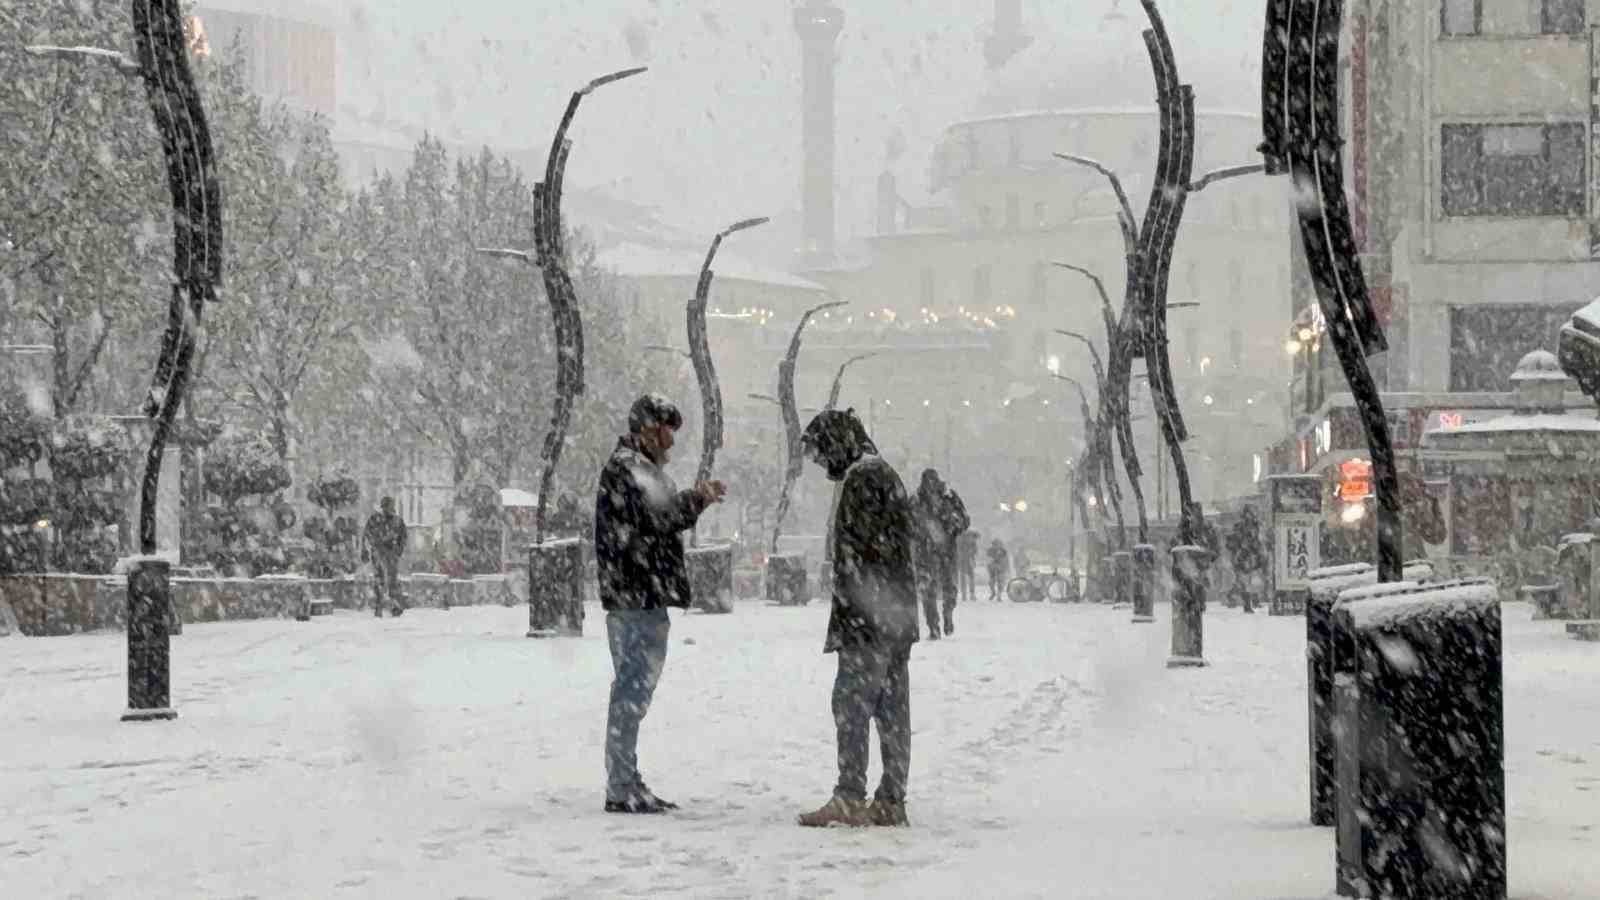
940, 518
873, 622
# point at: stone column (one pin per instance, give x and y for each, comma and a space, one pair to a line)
1189, 566
1144, 584
1123, 575
149, 643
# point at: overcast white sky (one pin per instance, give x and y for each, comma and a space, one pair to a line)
711, 134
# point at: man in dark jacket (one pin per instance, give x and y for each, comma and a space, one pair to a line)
940, 518
386, 543
872, 624
639, 520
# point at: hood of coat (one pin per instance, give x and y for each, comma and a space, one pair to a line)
836, 440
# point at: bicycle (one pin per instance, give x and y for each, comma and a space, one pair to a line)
1040, 585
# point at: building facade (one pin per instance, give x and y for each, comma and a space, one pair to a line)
1473, 126
1001, 210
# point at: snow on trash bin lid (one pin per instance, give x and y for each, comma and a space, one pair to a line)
1438, 600
1338, 571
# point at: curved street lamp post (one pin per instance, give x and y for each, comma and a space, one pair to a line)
555, 568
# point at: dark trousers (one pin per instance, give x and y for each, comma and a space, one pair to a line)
386, 585
873, 685
997, 584
936, 586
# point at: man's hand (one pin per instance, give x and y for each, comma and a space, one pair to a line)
711, 491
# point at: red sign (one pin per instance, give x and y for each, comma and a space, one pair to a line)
1355, 480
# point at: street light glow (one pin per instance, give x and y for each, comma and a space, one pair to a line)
1053, 364
1021, 506
1293, 346
1208, 400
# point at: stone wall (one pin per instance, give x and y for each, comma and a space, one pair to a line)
53, 604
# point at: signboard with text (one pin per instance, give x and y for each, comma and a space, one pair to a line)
1296, 510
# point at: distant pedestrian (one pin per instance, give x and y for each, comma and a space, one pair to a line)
997, 559
1249, 562
873, 622
639, 520
386, 543
940, 518
967, 565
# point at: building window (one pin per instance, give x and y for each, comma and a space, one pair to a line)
1487, 341
983, 285
1041, 216
1561, 16
1013, 212
930, 290
985, 216
1461, 17
1512, 170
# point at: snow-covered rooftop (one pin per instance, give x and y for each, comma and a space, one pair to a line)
642, 261
1537, 422
1539, 365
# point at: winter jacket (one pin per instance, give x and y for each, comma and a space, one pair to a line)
997, 558
940, 517
639, 520
874, 587
386, 535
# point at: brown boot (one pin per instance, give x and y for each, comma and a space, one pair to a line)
888, 814
838, 811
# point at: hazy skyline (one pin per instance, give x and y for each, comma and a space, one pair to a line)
713, 132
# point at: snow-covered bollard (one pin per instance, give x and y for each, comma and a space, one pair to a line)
711, 577
786, 579
149, 641
1122, 572
1189, 565
1421, 741
1144, 584
555, 588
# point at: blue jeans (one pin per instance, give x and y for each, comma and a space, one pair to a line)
873, 685
638, 640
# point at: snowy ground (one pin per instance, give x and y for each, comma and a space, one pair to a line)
445, 755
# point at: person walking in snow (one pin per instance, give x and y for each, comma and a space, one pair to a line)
872, 624
639, 520
997, 560
1249, 562
940, 518
967, 566
386, 543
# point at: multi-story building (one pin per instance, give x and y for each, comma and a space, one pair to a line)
289, 48
1472, 128
1002, 209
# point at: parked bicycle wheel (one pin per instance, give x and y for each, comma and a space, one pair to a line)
1056, 590
1021, 590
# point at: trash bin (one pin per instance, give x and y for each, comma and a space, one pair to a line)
1420, 741
1326, 586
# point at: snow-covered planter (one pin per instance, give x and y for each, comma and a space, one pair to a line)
786, 579
711, 577
555, 588
1421, 748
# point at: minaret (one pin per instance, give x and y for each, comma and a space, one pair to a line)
1008, 39
818, 25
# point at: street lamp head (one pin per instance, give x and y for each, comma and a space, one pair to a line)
1294, 346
